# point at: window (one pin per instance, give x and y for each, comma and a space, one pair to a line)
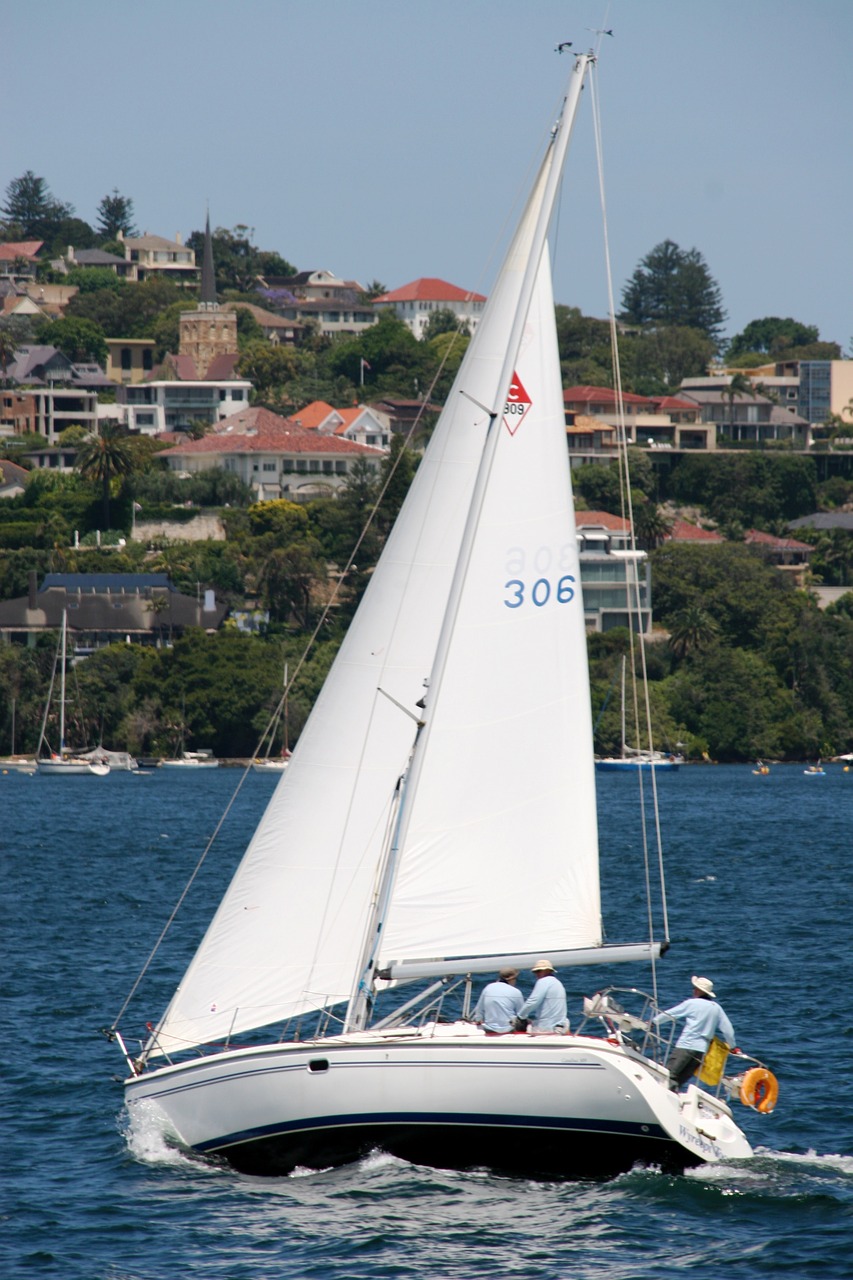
269, 466
147, 359
126, 358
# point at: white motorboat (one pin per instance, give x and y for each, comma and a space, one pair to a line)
394, 854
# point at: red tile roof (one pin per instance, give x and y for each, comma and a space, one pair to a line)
262, 431
430, 289
601, 520
601, 395
683, 531
13, 249
757, 538
313, 415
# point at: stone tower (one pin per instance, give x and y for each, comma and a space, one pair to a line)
207, 332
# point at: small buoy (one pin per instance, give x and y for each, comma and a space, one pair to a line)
759, 1089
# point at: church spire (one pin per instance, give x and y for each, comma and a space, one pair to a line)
208, 300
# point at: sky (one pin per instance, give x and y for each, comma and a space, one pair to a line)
384, 140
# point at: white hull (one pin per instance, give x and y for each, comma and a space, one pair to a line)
71, 768
627, 764
190, 764
270, 766
447, 1096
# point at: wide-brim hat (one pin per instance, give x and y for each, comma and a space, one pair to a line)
704, 984
508, 973
542, 966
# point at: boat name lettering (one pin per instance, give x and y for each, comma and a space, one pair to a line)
541, 591
694, 1140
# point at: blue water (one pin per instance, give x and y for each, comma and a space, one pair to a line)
760, 900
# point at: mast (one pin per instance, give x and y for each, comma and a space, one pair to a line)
530, 240
62, 687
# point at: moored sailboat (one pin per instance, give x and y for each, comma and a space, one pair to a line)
390, 852
63, 763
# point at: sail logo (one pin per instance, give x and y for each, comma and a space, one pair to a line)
517, 404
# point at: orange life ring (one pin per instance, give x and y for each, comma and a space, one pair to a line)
759, 1089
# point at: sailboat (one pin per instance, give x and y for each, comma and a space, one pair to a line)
63, 763
268, 763
633, 758
394, 854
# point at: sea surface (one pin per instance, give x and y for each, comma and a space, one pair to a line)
760, 900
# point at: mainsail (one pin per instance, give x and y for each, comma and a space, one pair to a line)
289, 933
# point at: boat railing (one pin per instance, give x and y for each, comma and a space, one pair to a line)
654, 1041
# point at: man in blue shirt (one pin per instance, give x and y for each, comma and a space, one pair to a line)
703, 1020
499, 1004
545, 1007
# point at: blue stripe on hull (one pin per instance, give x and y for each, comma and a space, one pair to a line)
520, 1145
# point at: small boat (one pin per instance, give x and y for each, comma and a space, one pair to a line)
326, 1012
17, 764
761, 768
201, 759
815, 771
63, 763
633, 758
269, 763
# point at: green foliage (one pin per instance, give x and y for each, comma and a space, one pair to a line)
32, 209
77, 339
237, 264
115, 214
752, 488
599, 486
133, 312
92, 279
771, 336
673, 287
104, 458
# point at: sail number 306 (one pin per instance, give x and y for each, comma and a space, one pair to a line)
539, 592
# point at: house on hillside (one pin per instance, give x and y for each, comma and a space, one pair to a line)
607, 563
45, 393
744, 418
416, 302
13, 479
653, 422
19, 259
790, 556
362, 423
151, 257
275, 456
107, 608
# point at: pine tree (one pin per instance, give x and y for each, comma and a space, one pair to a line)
673, 287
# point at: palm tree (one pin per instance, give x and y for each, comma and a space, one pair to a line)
739, 385
692, 628
103, 457
651, 525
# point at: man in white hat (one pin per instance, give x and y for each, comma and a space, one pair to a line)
499, 1004
545, 1007
704, 1019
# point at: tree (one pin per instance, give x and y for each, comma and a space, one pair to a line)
443, 321
77, 339
104, 457
771, 336
739, 385
651, 526
691, 628
673, 287
115, 214
32, 208
8, 347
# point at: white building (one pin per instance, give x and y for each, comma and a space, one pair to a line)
415, 303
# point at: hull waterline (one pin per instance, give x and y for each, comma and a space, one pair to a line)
555, 1107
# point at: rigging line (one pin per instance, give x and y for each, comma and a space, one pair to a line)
633, 573
167, 926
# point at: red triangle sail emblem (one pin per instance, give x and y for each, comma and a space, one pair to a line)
517, 404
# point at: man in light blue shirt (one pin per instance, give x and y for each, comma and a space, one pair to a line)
499, 1004
703, 1020
545, 1007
